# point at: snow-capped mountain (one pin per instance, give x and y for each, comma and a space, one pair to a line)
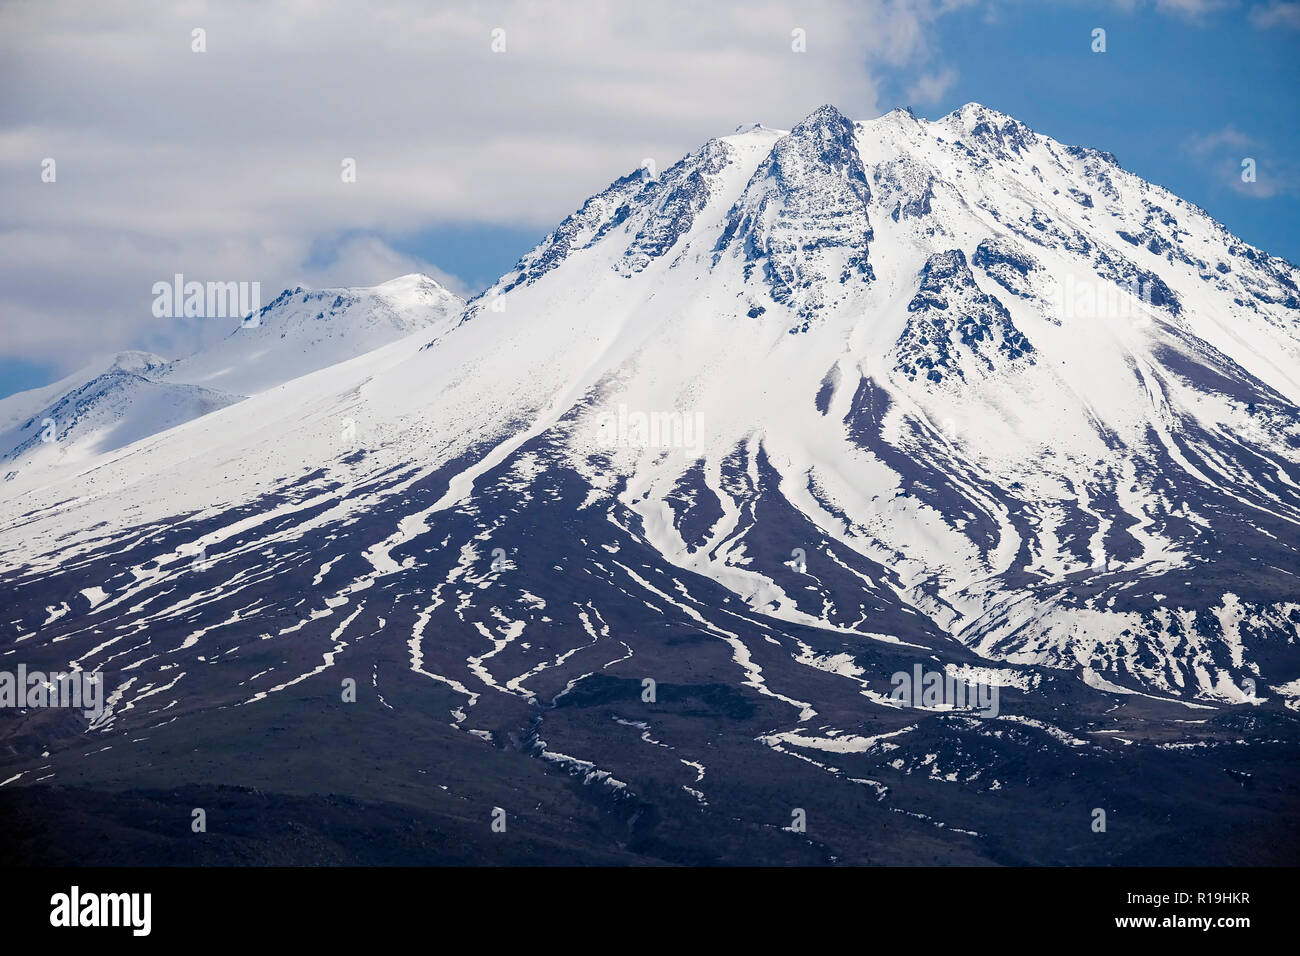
1062, 369
302, 331
808, 410
102, 409
96, 409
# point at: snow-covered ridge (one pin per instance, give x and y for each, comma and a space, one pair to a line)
134, 395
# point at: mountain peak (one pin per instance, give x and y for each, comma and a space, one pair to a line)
802, 218
979, 110
1000, 135
411, 281
974, 116
825, 117
134, 360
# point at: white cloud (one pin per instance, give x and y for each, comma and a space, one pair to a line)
1276, 14
929, 88
226, 164
1223, 152
1229, 138
368, 260
1193, 9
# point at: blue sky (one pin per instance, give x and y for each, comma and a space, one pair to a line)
225, 165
